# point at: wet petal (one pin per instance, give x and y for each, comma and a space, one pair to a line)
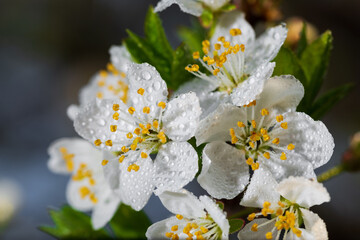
189, 6
315, 225
247, 234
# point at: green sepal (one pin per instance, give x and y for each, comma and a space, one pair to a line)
72, 224
198, 150
193, 36
220, 204
129, 224
228, 7
236, 224
207, 18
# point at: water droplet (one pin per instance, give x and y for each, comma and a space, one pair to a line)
146, 75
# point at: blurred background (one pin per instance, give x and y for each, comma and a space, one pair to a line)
50, 48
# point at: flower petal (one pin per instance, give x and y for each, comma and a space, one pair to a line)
105, 209
230, 20
74, 198
225, 172
120, 58
282, 93
311, 138
184, 203
72, 111
215, 4
197, 86
94, 120
181, 117
112, 170
157, 230
266, 47
176, 165
304, 192
189, 6
146, 77
249, 90
136, 187
247, 234
216, 126
315, 225
217, 214
261, 188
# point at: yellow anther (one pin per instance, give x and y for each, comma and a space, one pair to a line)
192, 68
266, 137
155, 124
249, 161
104, 162
129, 135
178, 216
283, 156
210, 61
145, 131
116, 116
99, 95
284, 125
141, 91
255, 166
142, 126
234, 140
240, 124
252, 145
264, 112
266, 155
144, 155
103, 73
169, 234
70, 165
297, 232
196, 55
242, 47
116, 107
175, 237
263, 131
221, 39
131, 110
204, 229
251, 217
92, 181
174, 228
93, 198
194, 225
134, 167
113, 128
122, 74
124, 149
253, 123
101, 83
146, 110
216, 71
279, 212
162, 105
268, 235
111, 88
84, 191
276, 141
281, 204
254, 227
235, 32
217, 46
291, 146
108, 143
266, 204
148, 125
226, 44
97, 142
279, 118
133, 146
121, 158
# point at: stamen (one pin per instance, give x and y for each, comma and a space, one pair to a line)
251, 217
266, 155
131, 110
97, 142
116, 116
255, 166
104, 162
284, 125
268, 235
121, 158
141, 91
196, 55
283, 156
113, 128
264, 112
108, 143
276, 141
254, 227
235, 32
116, 107
162, 105
291, 146
129, 135
279, 118
144, 155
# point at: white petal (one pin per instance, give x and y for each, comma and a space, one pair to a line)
305, 235
94, 120
74, 198
189, 6
311, 138
262, 188
217, 214
72, 111
120, 58
225, 172
215, 4
197, 86
250, 89
81, 149
136, 187
315, 225
176, 165
303, 191
247, 234
266, 47
181, 117
209, 102
105, 209
157, 230
146, 77
112, 170
216, 126
283, 93
234, 19
184, 203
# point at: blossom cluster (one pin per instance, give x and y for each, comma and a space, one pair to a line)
135, 139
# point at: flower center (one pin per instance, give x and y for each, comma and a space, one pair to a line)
68, 159
111, 83
225, 62
285, 217
85, 173
201, 228
259, 138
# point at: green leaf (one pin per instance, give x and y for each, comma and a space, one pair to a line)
236, 224
324, 103
314, 61
182, 57
302, 44
198, 150
287, 63
193, 36
70, 224
129, 224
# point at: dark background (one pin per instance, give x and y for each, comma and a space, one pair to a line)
49, 49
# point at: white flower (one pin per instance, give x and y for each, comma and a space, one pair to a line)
239, 63
135, 131
193, 7
267, 133
198, 218
87, 189
287, 205
10, 200
106, 84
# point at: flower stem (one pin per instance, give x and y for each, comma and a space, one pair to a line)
332, 172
